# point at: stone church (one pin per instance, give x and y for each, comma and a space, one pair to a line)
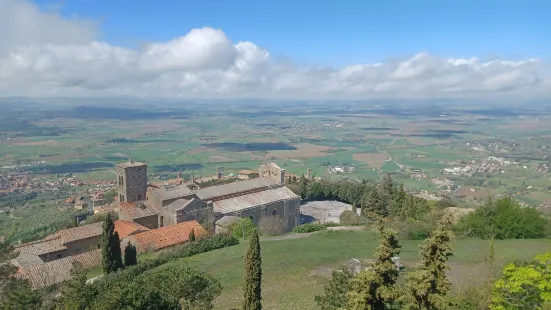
155, 206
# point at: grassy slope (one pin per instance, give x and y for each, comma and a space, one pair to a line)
287, 265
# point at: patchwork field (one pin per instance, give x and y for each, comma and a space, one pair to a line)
363, 140
375, 160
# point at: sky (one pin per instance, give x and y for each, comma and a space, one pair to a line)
301, 49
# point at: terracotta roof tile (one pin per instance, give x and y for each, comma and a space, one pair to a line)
127, 228
59, 270
41, 247
214, 192
81, 232
163, 237
138, 209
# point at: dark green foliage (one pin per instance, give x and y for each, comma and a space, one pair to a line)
252, 294
503, 219
428, 287
110, 247
130, 255
354, 208
15, 293
309, 227
191, 237
74, 293
160, 288
334, 297
201, 245
374, 288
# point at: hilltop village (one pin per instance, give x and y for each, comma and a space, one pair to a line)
155, 216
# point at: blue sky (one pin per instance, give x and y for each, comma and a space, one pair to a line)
333, 33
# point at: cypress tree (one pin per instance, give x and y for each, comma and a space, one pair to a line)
362, 210
110, 247
253, 275
354, 208
374, 288
130, 255
428, 287
117, 252
191, 237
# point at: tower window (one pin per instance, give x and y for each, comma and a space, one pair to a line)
274, 212
139, 197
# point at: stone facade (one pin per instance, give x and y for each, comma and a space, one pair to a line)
273, 172
131, 181
288, 210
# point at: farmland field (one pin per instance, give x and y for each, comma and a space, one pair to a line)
414, 144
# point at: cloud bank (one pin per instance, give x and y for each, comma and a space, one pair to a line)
43, 54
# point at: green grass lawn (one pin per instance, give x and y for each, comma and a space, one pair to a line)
292, 268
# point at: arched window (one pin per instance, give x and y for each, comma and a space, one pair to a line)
139, 197
252, 218
274, 212
139, 180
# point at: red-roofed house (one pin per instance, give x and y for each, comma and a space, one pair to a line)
164, 237
128, 228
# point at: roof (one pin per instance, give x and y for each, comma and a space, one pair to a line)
127, 228
171, 191
81, 232
59, 270
233, 188
245, 171
254, 199
227, 220
177, 204
26, 259
138, 209
163, 237
55, 244
131, 164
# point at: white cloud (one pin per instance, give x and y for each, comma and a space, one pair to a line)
43, 54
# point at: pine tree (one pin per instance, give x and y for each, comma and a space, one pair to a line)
110, 247
377, 203
428, 287
335, 292
253, 275
373, 289
130, 255
191, 237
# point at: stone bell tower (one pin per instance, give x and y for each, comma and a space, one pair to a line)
131, 181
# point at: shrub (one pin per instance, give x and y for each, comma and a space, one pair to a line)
504, 219
201, 245
243, 226
350, 218
308, 228
272, 225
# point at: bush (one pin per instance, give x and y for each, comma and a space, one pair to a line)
243, 226
308, 228
350, 218
201, 245
504, 219
272, 225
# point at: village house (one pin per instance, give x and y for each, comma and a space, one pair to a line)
247, 174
